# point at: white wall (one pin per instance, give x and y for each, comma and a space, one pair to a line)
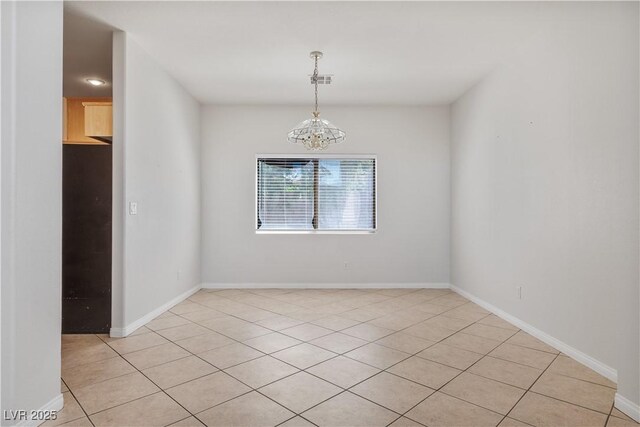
412, 242
157, 165
31, 166
545, 186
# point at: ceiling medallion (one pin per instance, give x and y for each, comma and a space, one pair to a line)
316, 133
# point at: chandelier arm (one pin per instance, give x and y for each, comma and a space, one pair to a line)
333, 136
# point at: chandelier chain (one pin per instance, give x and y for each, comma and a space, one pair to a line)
315, 82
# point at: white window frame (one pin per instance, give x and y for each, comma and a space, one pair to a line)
316, 156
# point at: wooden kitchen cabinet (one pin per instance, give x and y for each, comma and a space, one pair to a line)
87, 121
98, 122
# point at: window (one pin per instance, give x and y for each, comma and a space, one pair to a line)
316, 193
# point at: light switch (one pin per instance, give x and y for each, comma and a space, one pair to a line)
133, 208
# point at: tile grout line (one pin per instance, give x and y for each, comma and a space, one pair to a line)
570, 403
628, 419
580, 379
279, 379
160, 390
381, 371
369, 342
416, 355
486, 355
81, 407
455, 397
340, 314
529, 389
353, 309
250, 387
384, 370
526, 391
305, 370
121, 355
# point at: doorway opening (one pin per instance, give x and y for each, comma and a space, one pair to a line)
86, 176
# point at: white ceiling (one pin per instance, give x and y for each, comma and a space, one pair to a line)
379, 52
87, 54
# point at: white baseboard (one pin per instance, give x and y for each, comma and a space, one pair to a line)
123, 332
320, 285
601, 368
54, 404
628, 407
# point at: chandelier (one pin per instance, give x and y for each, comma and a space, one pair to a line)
315, 133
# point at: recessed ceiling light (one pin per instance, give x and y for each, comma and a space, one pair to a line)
96, 82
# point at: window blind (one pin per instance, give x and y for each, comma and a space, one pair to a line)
316, 193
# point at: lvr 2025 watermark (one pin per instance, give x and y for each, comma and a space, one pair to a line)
24, 415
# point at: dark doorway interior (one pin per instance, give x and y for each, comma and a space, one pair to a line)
86, 238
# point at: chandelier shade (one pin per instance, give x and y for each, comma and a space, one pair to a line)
315, 133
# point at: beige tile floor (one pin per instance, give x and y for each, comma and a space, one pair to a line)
266, 357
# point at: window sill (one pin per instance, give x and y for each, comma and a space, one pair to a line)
372, 231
